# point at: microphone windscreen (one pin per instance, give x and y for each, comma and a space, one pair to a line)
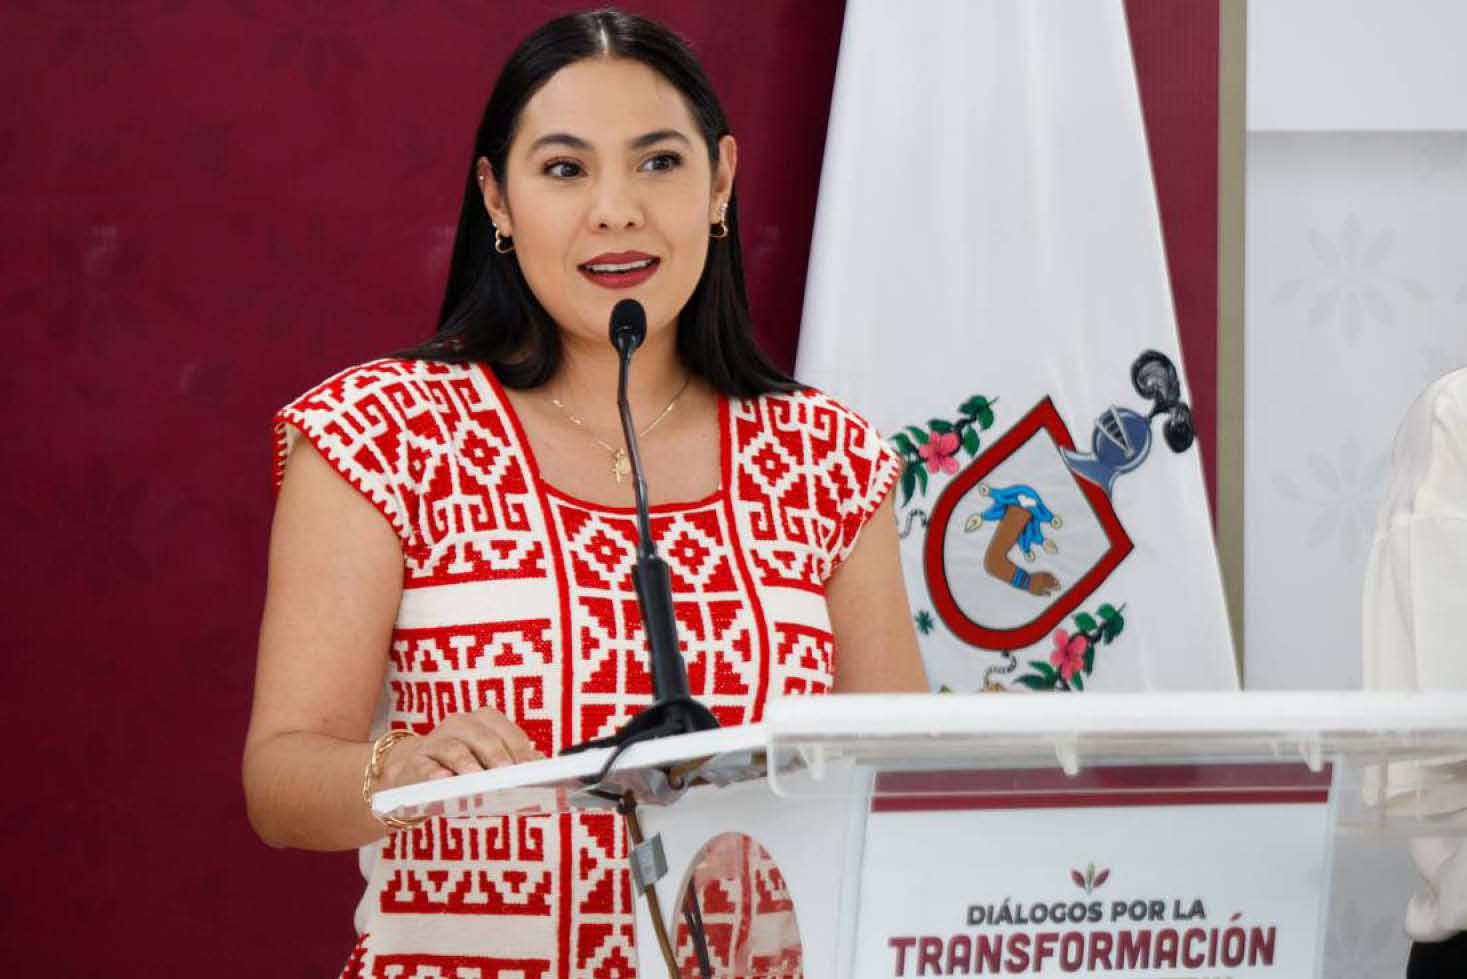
628, 325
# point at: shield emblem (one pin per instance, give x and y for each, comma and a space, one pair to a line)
1017, 541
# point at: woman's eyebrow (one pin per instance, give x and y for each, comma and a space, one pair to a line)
640, 142
559, 139
647, 139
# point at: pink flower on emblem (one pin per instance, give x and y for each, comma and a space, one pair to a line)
939, 451
1068, 655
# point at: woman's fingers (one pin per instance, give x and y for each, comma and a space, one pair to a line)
463, 743
480, 740
425, 769
495, 725
453, 754
412, 765
489, 749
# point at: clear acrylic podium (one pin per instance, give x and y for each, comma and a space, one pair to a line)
1167, 834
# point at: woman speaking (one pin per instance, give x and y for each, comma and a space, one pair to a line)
449, 576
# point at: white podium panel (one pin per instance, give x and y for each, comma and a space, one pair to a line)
1139, 869
1156, 835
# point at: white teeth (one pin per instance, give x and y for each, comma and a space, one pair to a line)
625, 267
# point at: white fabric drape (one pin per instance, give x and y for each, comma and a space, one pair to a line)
1415, 607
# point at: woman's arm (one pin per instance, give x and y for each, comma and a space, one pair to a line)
335, 582
335, 579
875, 641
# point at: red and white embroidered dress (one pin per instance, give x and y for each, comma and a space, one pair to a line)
520, 597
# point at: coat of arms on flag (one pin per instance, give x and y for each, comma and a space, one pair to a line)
1025, 533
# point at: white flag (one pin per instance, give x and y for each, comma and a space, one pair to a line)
987, 283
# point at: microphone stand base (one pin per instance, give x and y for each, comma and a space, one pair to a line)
665, 718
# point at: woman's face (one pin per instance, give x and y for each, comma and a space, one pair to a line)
609, 195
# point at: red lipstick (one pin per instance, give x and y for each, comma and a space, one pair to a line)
620, 270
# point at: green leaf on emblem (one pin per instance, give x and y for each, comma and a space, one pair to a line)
970, 440
909, 480
1085, 622
918, 436
938, 425
980, 408
1035, 682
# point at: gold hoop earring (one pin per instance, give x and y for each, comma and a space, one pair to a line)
500, 241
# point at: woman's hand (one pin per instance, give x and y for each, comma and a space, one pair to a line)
460, 744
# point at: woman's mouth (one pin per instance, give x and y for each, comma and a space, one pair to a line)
620, 270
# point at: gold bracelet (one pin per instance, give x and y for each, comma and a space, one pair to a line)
373, 771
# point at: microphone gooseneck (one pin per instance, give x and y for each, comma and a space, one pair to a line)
628, 330
673, 710
650, 575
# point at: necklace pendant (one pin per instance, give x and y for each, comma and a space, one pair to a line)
621, 465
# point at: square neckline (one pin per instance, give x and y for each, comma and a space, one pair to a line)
548, 488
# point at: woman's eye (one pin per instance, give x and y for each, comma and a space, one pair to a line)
663, 161
562, 169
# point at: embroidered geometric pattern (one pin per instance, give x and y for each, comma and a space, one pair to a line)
518, 597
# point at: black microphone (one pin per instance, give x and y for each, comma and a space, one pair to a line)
628, 328
651, 577
673, 710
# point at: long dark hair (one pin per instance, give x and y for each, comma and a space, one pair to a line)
490, 314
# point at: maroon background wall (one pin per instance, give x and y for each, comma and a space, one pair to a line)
1175, 46
209, 206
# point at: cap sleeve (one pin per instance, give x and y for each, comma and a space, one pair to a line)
355, 421
862, 474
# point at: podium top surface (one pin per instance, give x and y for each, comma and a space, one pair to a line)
1335, 713
977, 730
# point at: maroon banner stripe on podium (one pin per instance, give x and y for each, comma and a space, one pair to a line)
1110, 785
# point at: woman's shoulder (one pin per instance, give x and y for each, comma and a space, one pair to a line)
356, 417
807, 405
851, 467
348, 384
830, 432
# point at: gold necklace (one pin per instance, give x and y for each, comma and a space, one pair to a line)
621, 463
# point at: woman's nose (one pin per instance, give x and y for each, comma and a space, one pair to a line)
615, 205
